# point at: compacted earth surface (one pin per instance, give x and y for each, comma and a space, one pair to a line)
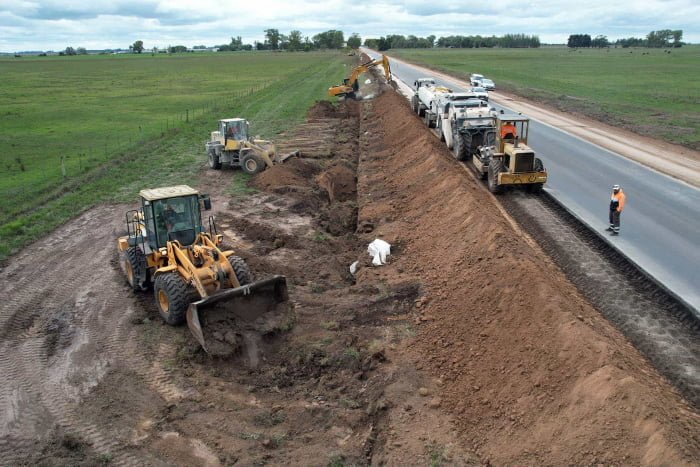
468, 348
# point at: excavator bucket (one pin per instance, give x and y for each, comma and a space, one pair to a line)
219, 321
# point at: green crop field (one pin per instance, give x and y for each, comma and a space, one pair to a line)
76, 131
649, 91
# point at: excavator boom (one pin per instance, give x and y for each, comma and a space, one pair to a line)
350, 85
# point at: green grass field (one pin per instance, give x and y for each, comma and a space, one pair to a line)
107, 123
655, 94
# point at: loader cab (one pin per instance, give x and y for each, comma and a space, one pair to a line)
235, 129
512, 129
172, 213
518, 157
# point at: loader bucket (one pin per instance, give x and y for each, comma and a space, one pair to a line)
218, 321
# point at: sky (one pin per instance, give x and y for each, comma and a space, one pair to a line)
98, 24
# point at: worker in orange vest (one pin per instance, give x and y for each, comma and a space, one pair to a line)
508, 131
617, 204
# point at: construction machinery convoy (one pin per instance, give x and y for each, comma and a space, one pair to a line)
194, 278
232, 145
351, 85
496, 143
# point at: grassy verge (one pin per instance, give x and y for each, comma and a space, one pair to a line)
176, 156
649, 91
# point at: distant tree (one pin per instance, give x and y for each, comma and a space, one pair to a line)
177, 49
70, 51
677, 36
81, 51
294, 40
372, 43
579, 40
272, 37
137, 48
600, 41
354, 41
383, 44
331, 39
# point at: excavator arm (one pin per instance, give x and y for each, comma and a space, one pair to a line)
350, 86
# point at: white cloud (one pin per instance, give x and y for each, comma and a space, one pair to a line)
55, 24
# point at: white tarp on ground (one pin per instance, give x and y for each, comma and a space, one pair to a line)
379, 250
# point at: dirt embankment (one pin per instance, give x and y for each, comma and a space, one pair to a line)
467, 347
532, 372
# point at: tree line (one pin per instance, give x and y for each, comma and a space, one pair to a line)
655, 39
295, 41
468, 42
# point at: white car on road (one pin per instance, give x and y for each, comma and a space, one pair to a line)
481, 93
475, 79
487, 84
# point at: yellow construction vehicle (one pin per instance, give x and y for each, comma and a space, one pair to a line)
193, 277
511, 161
350, 85
231, 145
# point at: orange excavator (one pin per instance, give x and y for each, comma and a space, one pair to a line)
350, 85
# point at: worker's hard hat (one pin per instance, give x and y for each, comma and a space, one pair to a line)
616, 187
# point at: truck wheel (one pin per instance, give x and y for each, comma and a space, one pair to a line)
459, 146
414, 103
495, 167
171, 297
241, 269
135, 268
214, 161
252, 164
439, 128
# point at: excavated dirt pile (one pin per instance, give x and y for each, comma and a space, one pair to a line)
531, 372
467, 348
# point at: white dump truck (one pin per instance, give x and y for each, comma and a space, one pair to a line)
425, 99
467, 126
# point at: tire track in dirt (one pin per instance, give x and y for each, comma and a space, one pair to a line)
44, 384
653, 321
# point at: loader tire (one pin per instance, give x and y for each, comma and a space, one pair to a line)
135, 268
495, 167
172, 297
459, 146
241, 269
252, 164
214, 161
538, 167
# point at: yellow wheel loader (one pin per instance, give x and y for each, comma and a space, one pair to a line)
231, 145
350, 84
193, 277
511, 162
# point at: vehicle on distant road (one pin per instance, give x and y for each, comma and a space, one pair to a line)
475, 79
487, 84
480, 93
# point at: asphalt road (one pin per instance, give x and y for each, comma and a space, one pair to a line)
660, 226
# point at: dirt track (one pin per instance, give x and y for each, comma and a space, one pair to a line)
469, 347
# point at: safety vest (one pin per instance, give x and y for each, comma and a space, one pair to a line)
506, 129
617, 201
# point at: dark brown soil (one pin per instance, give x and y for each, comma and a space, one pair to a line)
468, 348
530, 369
